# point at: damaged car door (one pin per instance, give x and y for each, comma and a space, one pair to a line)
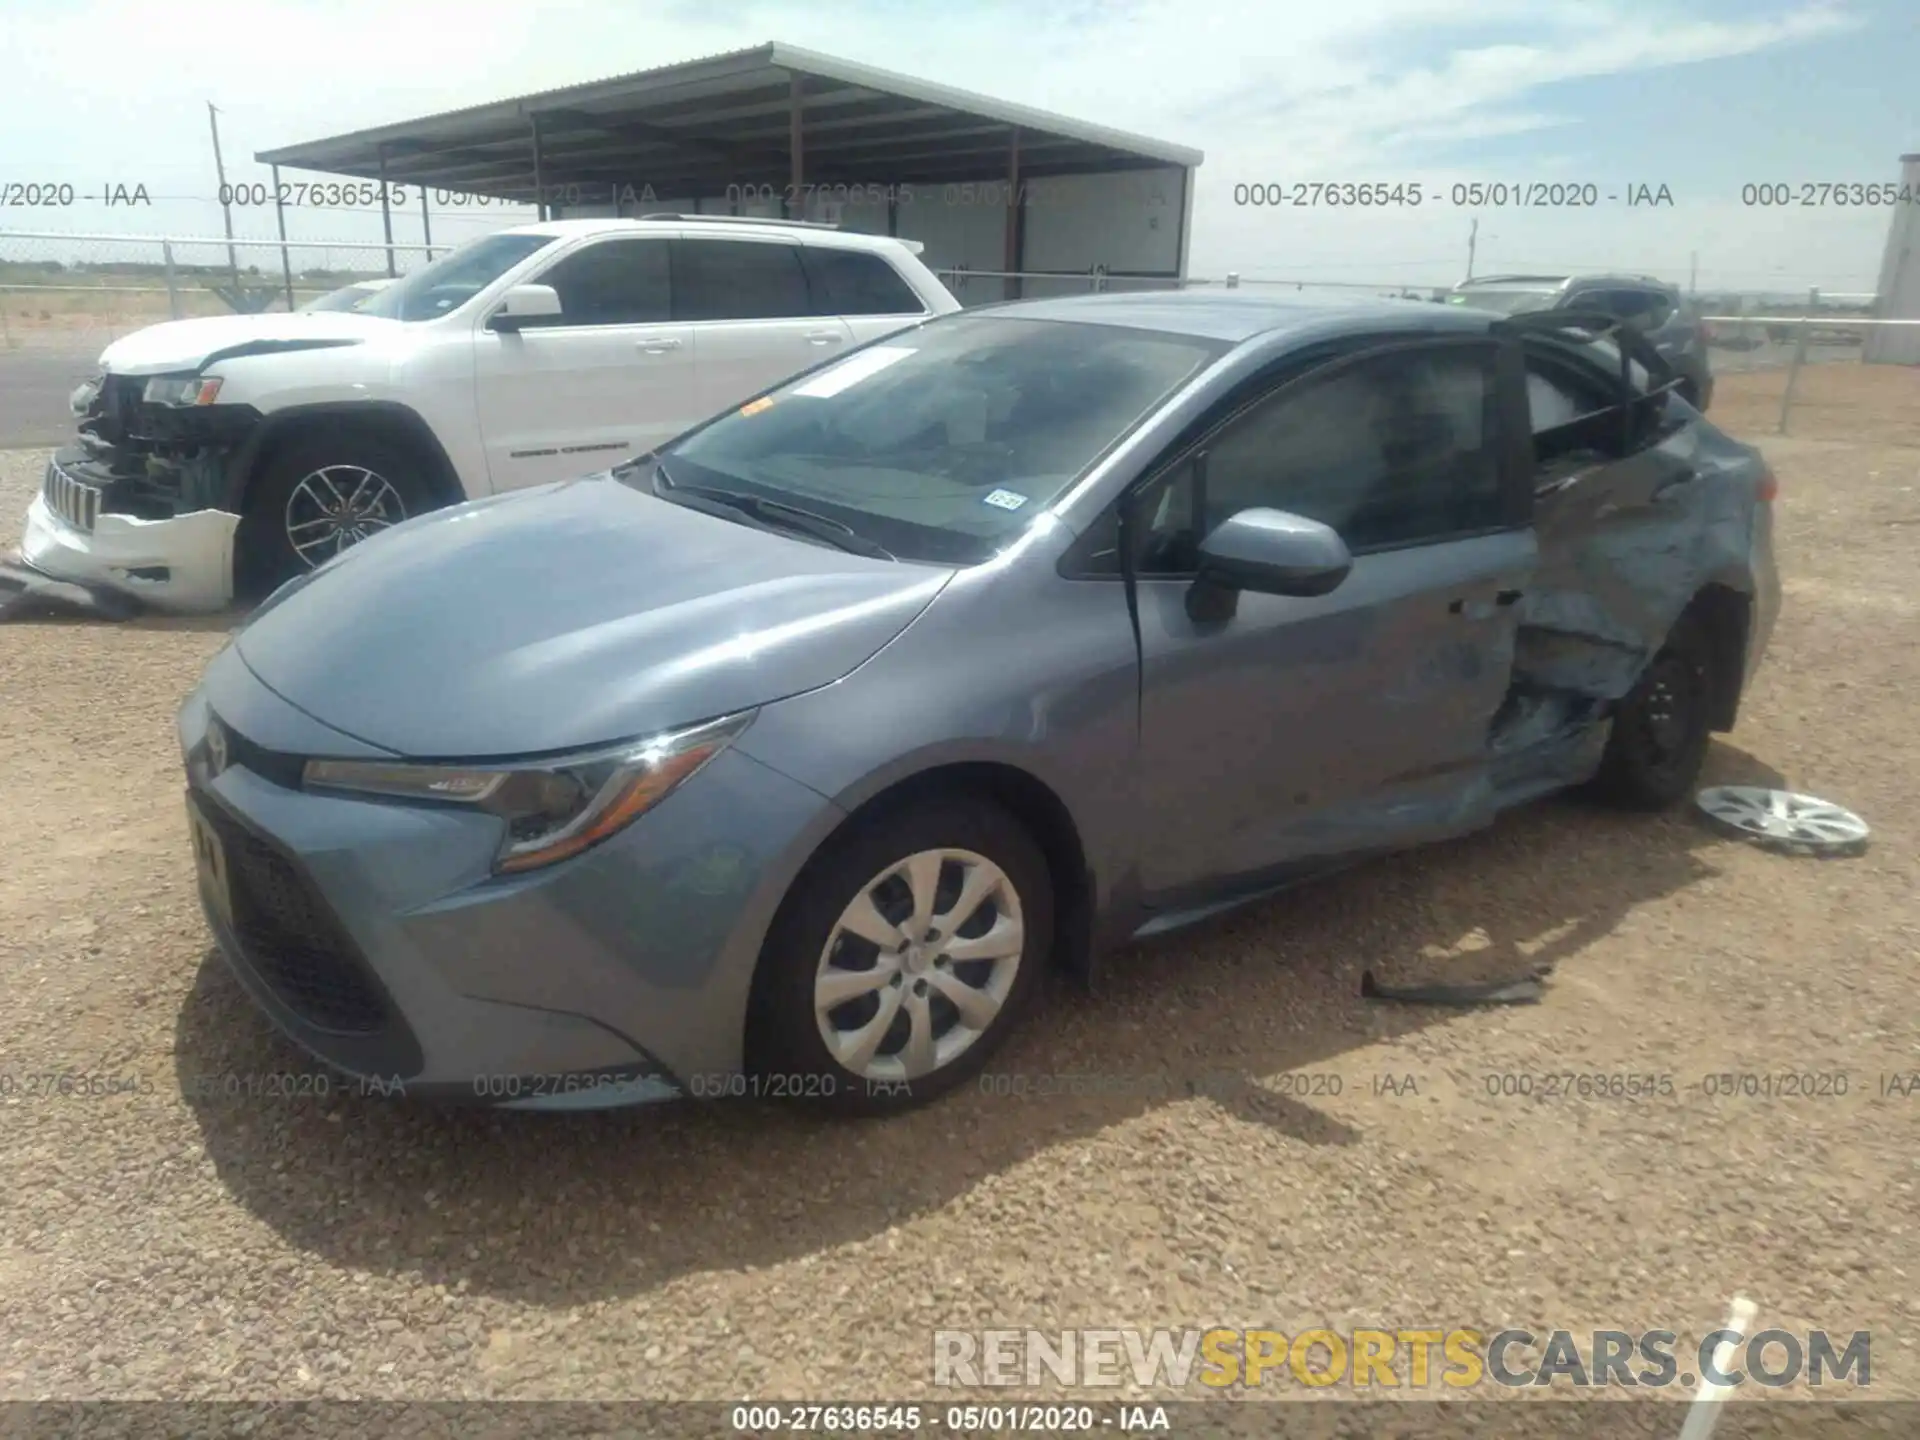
1297, 729
1618, 511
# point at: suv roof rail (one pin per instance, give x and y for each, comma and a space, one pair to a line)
742, 220
1502, 279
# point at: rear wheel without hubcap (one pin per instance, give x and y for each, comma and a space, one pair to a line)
903, 956
1663, 726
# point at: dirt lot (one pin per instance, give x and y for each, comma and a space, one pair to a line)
171, 1243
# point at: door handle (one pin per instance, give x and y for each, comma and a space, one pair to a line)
657, 345
1458, 605
824, 337
1674, 481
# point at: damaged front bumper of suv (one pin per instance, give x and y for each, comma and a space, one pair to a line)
138, 505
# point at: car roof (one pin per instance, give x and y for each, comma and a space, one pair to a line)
717, 225
1239, 316
1555, 282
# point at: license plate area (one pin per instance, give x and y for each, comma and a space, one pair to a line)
210, 862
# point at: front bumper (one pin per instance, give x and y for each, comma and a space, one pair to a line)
375, 935
182, 564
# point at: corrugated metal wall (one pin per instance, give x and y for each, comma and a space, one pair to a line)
1899, 287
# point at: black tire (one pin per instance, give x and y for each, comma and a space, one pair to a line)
1662, 728
264, 555
785, 1045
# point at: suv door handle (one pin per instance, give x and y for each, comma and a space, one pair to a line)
657, 344
824, 337
1480, 611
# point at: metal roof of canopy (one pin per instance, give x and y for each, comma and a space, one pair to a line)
693, 129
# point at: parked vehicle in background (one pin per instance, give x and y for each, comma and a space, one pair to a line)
224, 456
350, 297
1652, 307
781, 761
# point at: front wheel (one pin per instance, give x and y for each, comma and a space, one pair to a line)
1662, 728
317, 498
903, 958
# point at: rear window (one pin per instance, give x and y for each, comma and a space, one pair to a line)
738, 280
852, 282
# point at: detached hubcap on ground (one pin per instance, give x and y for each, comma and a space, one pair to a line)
919, 965
338, 506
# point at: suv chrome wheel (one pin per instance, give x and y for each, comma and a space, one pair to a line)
919, 965
337, 506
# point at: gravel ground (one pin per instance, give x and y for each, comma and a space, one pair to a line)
169, 1243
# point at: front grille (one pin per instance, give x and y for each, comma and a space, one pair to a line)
74, 501
291, 939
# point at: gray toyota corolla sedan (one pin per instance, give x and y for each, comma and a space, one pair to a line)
783, 760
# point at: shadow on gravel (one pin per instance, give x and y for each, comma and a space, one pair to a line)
553, 1210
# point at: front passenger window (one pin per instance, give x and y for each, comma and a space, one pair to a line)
1393, 449
613, 282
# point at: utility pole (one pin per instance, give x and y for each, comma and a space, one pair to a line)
226, 195
1473, 237
1693, 271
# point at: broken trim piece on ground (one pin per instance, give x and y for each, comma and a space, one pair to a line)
28, 594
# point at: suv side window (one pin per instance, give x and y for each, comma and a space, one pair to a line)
612, 282
738, 280
853, 282
1393, 449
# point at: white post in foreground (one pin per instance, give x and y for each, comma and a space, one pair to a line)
1704, 1413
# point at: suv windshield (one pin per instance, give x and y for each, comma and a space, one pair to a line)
1504, 301
943, 441
350, 297
448, 283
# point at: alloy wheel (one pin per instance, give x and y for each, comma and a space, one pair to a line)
337, 506
919, 965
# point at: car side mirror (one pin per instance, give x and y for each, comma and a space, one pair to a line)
1270, 552
523, 305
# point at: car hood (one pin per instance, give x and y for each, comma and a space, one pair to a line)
569, 616
190, 344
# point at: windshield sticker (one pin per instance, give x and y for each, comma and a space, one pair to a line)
1005, 499
852, 370
754, 407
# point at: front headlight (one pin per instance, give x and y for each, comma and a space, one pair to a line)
181, 390
553, 808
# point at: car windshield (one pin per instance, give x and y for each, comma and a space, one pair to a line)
350, 297
1504, 302
940, 443
448, 283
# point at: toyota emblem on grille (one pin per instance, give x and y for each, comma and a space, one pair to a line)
216, 748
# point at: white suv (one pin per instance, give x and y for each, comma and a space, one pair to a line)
219, 457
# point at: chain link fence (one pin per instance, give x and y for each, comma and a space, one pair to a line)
56, 288
1824, 352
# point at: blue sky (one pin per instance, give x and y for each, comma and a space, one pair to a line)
1699, 95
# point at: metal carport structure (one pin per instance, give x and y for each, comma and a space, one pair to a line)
987, 186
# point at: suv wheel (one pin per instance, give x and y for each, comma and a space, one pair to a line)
903, 958
1662, 729
317, 498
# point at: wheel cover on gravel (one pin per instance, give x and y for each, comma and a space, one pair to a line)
1783, 820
